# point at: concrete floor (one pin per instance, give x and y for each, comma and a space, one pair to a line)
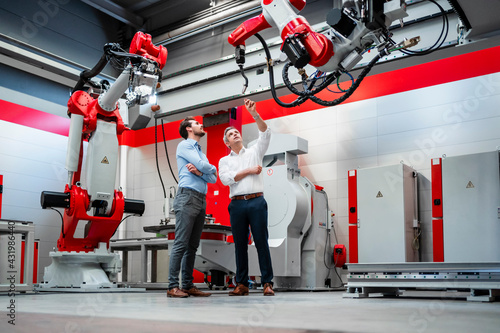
299, 312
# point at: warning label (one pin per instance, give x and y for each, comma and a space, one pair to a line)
105, 160
379, 194
469, 185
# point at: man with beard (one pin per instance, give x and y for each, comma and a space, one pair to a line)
189, 205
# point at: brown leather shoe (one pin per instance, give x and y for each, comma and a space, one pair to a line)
177, 293
240, 290
268, 289
193, 291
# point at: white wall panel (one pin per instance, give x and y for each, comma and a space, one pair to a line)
428, 139
319, 154
320, 171
32, 161
343, 207
285, 125
318, 118
341, 228
441, 115
442, 94
319, 135
358, 148
343, 166
356, 111
357, 129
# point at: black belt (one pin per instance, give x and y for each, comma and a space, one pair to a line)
247, 196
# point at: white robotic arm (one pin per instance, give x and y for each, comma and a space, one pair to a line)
356, 27
99, 121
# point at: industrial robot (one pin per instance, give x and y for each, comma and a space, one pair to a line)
86, 263
355, 28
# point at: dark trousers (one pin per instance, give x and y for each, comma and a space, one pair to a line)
189, 207
245, 214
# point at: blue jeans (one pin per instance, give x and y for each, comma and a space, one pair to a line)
244, 214
189, 207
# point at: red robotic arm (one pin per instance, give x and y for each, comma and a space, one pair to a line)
354, 28
142, 45
295, 32
99, 121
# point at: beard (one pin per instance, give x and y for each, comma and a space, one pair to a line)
199, 133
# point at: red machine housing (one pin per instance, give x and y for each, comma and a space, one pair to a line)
339, 255
437, 210
1, 191
143, 45
353, 215
99, 228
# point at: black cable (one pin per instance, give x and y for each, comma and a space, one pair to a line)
166, 152
123, 219
308, 93
335, 263
62, 221
156, 157
353, 88
245, 85
299, 100
328, 244
435, 46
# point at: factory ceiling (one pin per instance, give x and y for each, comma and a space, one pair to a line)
168, 20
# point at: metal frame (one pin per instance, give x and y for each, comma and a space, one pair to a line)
27, 229
481, 279
143, 245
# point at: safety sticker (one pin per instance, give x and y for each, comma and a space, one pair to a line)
470, 185
379, 195
105, 160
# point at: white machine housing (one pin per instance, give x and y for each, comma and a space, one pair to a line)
471, 207
387, 207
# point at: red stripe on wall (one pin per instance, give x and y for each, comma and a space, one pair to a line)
25, 116
447, 70
442, 71
146, 136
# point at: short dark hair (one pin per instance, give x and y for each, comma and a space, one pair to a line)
182, 128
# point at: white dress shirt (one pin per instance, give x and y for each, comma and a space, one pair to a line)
231, 164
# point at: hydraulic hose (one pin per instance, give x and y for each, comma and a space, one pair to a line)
90, 73
110, 51
245, 85
298, 101
309, 92
351, 90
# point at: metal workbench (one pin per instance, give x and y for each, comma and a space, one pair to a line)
144, 245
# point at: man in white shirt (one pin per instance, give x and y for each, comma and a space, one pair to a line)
241, 171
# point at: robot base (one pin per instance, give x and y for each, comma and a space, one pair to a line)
81, 271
